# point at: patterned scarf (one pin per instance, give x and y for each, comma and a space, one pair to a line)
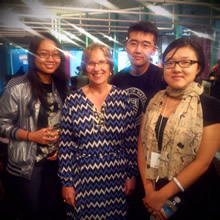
182, 134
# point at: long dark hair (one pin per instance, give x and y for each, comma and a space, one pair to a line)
59, 76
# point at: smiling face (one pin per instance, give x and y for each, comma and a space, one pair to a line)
179, 77
98, 68
140, 46
46, 66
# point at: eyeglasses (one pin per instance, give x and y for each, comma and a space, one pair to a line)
181, 63
101, 64
144, 45
45, 55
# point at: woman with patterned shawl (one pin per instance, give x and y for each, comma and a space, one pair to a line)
98, 144
179, 138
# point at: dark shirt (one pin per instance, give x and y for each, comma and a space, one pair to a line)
215, 88
140, 88
43, 121
210, 108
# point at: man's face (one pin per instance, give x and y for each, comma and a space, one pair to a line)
140, 46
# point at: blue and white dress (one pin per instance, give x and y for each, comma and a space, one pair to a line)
97, 152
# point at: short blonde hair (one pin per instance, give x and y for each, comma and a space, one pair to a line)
87, 54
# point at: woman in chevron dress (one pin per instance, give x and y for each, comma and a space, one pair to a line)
98, 145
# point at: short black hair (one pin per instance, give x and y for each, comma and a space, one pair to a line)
183, 42
146, 27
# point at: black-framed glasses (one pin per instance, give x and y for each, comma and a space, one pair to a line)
45, 55
181, 63
144, 45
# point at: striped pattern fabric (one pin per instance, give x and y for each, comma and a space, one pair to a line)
96, 161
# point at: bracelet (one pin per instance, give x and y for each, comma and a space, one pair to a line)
28, 135
178, 184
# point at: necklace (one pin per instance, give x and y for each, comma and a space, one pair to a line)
171, 105
158, 132
167, 111
99, 118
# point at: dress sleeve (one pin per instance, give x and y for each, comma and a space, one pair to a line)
67, 145
130, 140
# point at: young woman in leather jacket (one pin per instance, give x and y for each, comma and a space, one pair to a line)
30, 111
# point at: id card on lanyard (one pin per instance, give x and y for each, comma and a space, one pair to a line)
155, 160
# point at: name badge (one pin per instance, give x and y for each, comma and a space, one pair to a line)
155, 160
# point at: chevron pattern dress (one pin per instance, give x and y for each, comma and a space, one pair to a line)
98, 151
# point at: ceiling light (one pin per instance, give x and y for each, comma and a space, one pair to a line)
157, 9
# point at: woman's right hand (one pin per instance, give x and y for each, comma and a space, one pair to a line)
158, 214
155, 200
68, 193
43, 136
148, 188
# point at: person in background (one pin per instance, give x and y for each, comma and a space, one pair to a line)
20, 71
159, 63
97, 150
179, 138
30, 110
215, 81
216, 66
142, 80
